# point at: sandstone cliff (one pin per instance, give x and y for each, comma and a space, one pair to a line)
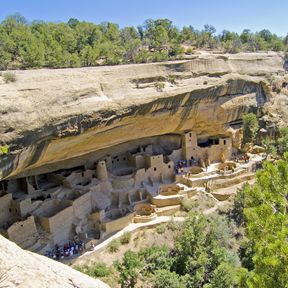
51, 118
19, 268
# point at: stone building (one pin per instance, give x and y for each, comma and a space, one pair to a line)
99, 197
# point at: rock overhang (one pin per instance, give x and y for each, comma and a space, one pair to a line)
53, 116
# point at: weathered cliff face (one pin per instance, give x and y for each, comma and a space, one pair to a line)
54, 119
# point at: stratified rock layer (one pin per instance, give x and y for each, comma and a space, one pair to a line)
54, 119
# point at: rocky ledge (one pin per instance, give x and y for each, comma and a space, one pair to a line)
24, 269
54, 119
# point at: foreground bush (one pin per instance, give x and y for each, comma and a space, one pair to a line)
9, 77
125, 238
96, 270
114, 246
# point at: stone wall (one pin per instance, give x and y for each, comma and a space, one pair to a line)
21, 208
5, 208
57, 220
111, 226
213, 153
23, 233
82, 206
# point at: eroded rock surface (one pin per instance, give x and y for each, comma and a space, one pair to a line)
21, 268
50, 119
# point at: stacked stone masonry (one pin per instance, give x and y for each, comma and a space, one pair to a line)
106, 194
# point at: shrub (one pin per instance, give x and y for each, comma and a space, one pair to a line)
4, 149
125, 238
100, 270
189, 51
172, 79
159, 56
159, 86
97, 270
114, 246
9, 77
187, 204
173, 225
160, 229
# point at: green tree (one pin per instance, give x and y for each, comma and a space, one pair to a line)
67, 44
270, 146
282, 141
156, 258
265, 210
266, 35
201, 248
222, 277
73, 22
129, 269
237, 213
89, 56
250, 127
32, 53
53, 54
5, 59
165, 279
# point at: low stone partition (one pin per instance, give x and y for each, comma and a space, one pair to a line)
226, 166
194, 170
230, 180
169, 189
161, 201
111, 226
144, 219
144, 212
190, 192
168, 211
221, 196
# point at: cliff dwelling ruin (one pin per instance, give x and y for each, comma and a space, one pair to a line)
102, 196
108, 152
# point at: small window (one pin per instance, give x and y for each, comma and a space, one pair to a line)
224, 142
124, 158
16, 210
10, 210
155, 169
112, 162
190, 134
169, 166
193, 148
117, 160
